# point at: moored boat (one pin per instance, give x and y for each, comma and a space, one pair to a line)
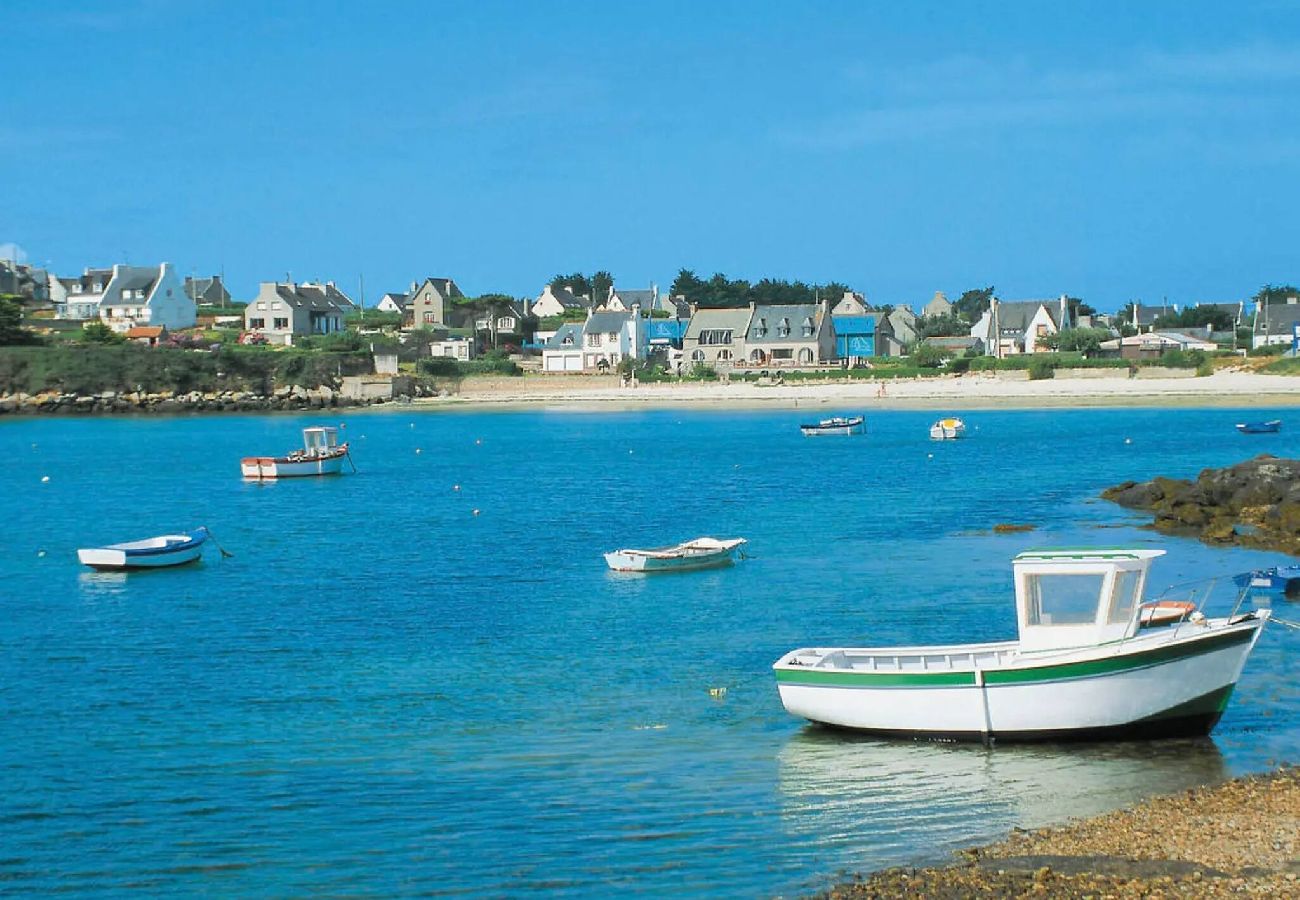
322, 454
700, 553
1270, 427
947, 429
1276, 579
150, 553
1092, 661
834, 425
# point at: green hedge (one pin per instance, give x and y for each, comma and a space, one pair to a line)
129, 367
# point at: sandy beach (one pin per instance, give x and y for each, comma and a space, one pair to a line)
970, 391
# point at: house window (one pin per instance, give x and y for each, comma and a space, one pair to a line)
715, 336
805, 355
261, 305
761, 329
783, 329
807, 327
281, 323
568, 340
593, 340
784, 353
257, 323
697, 356
724, 355
428, 317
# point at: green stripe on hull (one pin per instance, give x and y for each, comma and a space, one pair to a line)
1059, 672
1211, 704
1113, 664
842, 678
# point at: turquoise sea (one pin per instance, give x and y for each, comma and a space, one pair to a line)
383, 693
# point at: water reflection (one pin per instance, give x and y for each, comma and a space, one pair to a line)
105, 584
862, 803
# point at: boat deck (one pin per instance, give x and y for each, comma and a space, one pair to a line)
909, 659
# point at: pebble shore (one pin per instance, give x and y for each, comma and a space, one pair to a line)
1235, 839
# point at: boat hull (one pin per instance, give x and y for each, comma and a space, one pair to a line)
855, 425
123, 557
627, 562
271, 467
1162, 688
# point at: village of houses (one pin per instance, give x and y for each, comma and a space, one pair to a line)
147, 304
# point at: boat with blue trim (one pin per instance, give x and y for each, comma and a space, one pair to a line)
1092, 662
149, 553
1276, 579
1273, 426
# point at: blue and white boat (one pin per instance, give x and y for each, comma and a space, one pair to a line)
1278, 579
834, 425
1272, 426
150, 553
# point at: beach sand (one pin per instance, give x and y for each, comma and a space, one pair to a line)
1238, 838
971, 391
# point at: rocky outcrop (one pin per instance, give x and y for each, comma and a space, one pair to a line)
1255, 504
295, 397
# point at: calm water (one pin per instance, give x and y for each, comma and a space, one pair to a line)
382, 693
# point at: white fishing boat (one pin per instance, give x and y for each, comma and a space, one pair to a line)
1092, 662
834, 425
701, 553
947, 429
322, 454
150, 553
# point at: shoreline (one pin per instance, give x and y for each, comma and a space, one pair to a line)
1238, 836
602, 393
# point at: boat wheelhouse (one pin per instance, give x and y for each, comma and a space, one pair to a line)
1092, 662
321, 454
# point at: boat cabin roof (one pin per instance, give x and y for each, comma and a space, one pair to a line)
320, 429
1089, 555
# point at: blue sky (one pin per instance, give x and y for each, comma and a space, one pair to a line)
1109, 150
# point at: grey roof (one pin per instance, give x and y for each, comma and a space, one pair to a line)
765, 324
1015, 316
1147, 315
566, 298
1277, 318
400, 299
606, 321
444, 286
735, 318
310, 297
138, 280
641, 297
569, 329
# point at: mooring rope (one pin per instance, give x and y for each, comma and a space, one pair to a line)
225, 554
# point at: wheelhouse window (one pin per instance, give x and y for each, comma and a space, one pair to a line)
1063, 599
1125, 599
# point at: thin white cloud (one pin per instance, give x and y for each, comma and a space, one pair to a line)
967, 95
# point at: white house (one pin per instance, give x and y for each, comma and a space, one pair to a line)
851, 304
146, 296
562, 351
623, 300
1009, 328
455, 348
599, 344
78, 298
555, 301
393, 303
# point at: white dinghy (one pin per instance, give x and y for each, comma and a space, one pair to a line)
1092, 662
150, 553
701, 553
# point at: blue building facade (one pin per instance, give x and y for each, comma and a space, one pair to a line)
855, 337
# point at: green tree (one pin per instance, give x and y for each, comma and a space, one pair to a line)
577, 282
928, 356
971, 304
97, 332
1078, 308
687, 284
1275, 294
601, 282
1076, 340
11, 323
947, 325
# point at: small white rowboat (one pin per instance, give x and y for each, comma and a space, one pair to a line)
150, 553
701, 553
835, 425
947, 429
1092, 662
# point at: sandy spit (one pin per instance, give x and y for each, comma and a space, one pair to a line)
971, 391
